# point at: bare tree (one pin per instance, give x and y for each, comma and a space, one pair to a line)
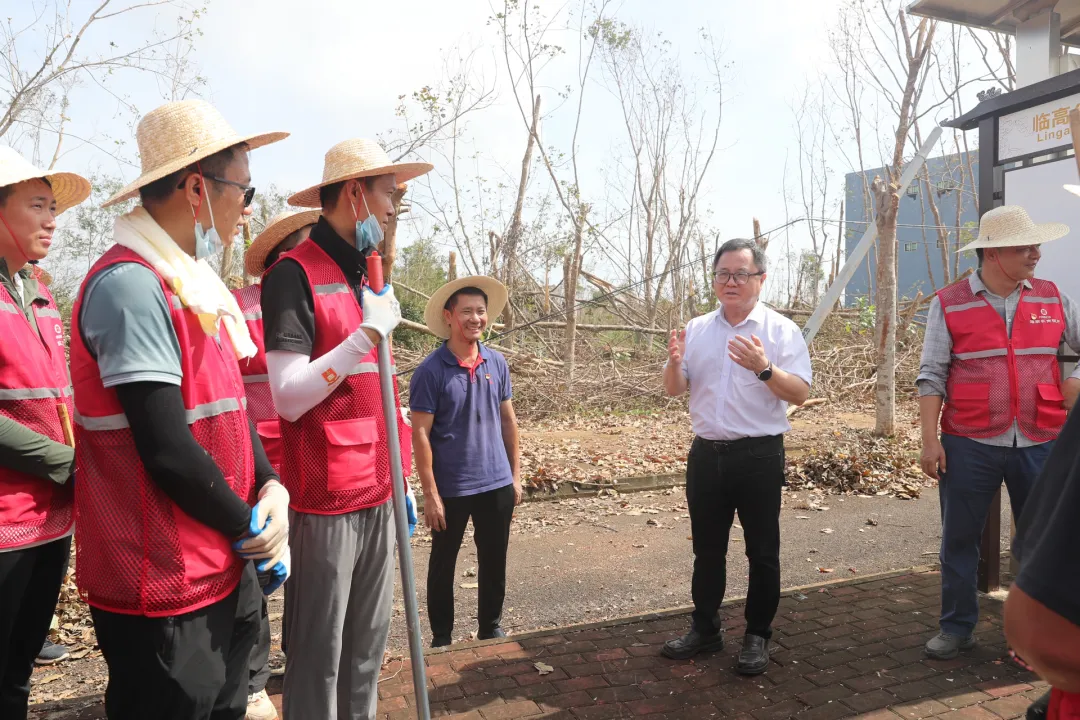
672, 125
37, 93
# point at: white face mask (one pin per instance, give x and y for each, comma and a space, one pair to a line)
207, 242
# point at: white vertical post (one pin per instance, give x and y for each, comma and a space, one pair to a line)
865, 243
1038, 48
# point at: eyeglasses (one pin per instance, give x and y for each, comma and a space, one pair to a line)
249, 190
741, 278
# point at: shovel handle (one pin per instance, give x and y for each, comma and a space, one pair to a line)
374, 272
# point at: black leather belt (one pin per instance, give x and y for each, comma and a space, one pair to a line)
725, 446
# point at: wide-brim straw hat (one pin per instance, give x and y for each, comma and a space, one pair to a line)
357, 158
433, 313
69, 189
179, 134
1011, 226
280, 227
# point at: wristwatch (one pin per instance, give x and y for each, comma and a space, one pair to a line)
765, 374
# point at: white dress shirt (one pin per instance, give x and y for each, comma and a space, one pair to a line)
727, 401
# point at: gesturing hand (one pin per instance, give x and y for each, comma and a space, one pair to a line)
750, 354
677, 346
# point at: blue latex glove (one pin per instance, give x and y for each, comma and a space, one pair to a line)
410, 510
276, 576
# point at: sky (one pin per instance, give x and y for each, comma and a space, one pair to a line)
327, 70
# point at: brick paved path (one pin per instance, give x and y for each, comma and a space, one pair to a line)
851, 650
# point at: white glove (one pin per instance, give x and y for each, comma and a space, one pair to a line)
269, 526
382, 313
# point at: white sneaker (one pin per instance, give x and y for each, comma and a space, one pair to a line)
260, 708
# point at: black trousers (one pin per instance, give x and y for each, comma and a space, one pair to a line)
491, 513
259, 664
30, 582
184, 667
743, 476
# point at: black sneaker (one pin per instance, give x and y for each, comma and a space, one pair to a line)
754, 657
51, 653
496, 633
691, 644
441, 641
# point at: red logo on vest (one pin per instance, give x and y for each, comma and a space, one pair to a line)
1044, 317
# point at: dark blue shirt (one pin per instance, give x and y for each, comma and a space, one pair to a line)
468, 455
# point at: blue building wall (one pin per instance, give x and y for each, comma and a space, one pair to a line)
949, 187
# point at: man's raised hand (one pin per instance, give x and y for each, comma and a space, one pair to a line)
677, 346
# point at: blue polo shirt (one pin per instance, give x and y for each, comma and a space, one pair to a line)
468, 455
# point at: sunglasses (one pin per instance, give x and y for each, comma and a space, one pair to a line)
249, 190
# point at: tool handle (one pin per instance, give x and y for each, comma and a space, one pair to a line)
65, 423
374, 272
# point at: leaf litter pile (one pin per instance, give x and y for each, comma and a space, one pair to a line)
860, 465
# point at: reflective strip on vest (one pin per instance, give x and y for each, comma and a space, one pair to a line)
120, 421
366, 367
33, 393
46, 312
982, 354
965, 306
8, 307
256, 379
331, 289
1044, 300
177, 305
1036, 351
252, 316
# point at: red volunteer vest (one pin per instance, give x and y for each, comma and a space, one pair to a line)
137, 552
33, 384
336, 459
260, 404
995, 379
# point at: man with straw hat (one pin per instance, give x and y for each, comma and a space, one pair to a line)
989, 373
466, 445
37, 458
168, 460
284, 232
322, 326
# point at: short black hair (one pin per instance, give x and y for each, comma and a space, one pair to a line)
215, 164
979, 254
738, 244
329, 194
8, 190
277, 250
451, 302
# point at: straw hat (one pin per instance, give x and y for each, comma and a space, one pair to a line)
1010, 226
179, 134
433, 313
357, 158
69, 189
284, 224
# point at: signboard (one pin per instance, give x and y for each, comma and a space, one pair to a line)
1038, 190
1038, 129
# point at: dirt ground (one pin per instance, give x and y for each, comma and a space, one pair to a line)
586, 559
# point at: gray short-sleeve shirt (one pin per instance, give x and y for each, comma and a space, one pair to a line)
126, 324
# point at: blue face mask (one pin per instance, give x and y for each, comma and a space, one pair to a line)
368, 232
207, 242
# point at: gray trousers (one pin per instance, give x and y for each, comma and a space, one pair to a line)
338, 603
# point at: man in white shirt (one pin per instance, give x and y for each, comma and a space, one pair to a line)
743, 364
